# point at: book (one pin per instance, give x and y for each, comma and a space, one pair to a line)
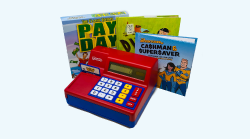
175, 57
84, 32
128, 26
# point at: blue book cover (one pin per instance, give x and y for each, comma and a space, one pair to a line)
175, 57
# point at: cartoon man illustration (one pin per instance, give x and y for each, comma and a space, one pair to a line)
84, 58
163, 31
182, 76
168, 77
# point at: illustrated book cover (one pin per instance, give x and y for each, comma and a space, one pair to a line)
175, 57
84, 32
128, 26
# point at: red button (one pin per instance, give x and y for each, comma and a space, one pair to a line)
130, 104
133, 99
136, 92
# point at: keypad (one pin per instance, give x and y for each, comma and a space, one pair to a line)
117, 92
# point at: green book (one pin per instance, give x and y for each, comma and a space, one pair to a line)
128, 26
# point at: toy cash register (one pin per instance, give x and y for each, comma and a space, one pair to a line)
116, 85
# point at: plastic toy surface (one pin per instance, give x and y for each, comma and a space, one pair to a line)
120, 87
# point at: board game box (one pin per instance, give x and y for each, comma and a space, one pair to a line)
175, 57
84, 32
128, 26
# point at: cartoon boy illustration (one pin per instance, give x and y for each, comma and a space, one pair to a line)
163, 31
168, 77
84, 58
182, 76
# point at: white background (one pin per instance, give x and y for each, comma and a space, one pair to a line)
34, 72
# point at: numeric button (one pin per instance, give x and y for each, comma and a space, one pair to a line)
101, 95
108, 85
101, 83
109, 97
94, 92
118, 83
98, 88
105, 90
116, 88
104, 79
112, 92
111, 81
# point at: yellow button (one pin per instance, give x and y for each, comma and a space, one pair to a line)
127, 86
123, 96
118, 100
125, 91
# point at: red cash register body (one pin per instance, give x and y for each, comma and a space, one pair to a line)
101, 57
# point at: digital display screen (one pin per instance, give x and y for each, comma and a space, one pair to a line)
121, 69
127, 70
